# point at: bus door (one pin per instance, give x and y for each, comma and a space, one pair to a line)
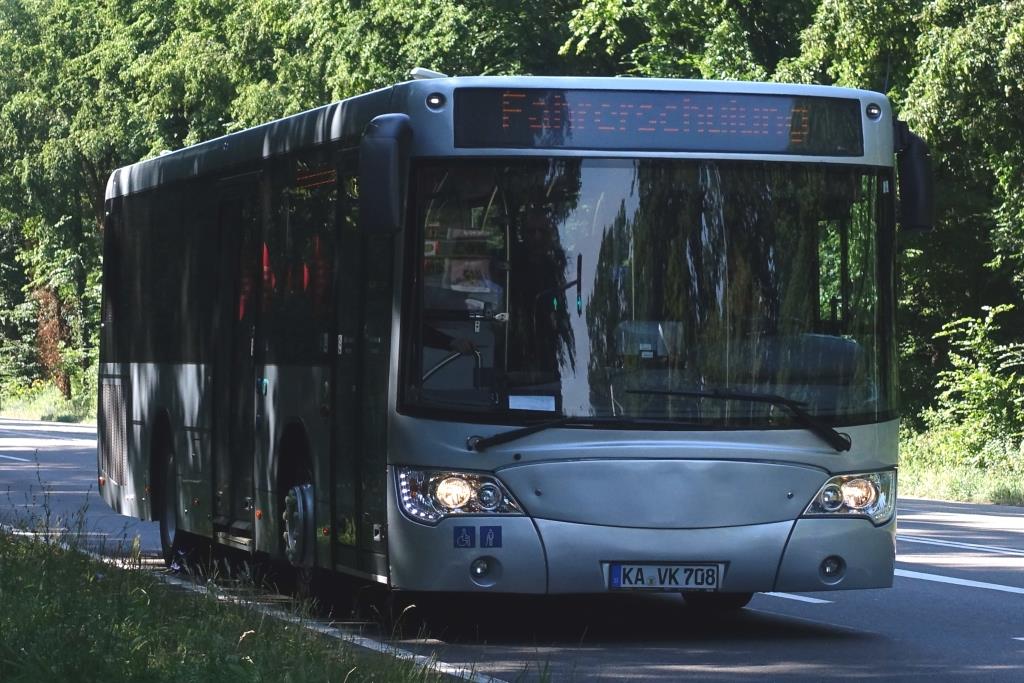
240, 302
364, 273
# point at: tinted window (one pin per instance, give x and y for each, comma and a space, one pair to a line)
298, 261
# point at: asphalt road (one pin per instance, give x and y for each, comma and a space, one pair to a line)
956, 610
48, 479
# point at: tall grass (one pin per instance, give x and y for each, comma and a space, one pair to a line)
66, 615
960, 462
43, 401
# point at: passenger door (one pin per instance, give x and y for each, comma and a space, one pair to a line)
237, 346
362, 370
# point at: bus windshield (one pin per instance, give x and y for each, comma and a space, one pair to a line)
650, 289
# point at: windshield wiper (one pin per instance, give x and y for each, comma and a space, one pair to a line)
480, 444
837, 440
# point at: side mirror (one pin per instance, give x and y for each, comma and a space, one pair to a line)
915, 169
383, 173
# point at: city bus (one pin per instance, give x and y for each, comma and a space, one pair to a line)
534, 335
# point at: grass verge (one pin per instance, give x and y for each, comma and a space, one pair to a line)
43, 401
961, 483
66, 616
954, 462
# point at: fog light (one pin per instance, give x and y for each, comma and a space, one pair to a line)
454, 492
831, 498
480, 568
832, 568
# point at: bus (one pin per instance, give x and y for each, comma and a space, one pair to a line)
535, 335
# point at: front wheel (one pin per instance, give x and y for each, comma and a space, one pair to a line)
717, 602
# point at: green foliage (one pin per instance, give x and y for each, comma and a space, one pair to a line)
977, 426
41, 400
90, 85
921, 476
96, 84
741, 40
968, 96
985, 384
65, 616
857, 43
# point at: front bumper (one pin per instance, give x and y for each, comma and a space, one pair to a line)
540, 556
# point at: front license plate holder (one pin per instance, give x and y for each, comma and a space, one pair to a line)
667, 577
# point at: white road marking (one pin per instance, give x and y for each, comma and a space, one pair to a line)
959, 582
15, 426
799, 598
974, 522
1015, 638
958, 560
51, 492
1000, 550
31, 444
11, 457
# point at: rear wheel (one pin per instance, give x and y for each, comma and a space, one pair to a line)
299, 525
717, 602
299, 522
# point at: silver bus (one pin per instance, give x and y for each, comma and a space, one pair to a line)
521, 335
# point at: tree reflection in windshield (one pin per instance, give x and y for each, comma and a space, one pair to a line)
696, 275
537, 297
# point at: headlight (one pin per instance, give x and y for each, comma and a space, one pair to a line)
453, 493
871, 495
427, 496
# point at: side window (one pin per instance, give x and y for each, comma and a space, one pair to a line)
348, 260
198, 234
298, 258
464, 247
134, 333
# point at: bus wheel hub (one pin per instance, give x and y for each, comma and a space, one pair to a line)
298, 525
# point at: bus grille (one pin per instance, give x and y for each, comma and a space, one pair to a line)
114, 429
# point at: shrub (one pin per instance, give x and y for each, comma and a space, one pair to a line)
972, 447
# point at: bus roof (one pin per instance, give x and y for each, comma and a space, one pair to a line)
345, 120
332, 122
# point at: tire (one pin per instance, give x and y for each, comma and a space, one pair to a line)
717, 602
298, 523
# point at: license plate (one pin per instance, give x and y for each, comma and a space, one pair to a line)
665, 577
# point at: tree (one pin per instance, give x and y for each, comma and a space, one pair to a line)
732, 39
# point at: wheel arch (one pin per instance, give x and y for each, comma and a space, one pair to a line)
294, 457
294, 469
161, 445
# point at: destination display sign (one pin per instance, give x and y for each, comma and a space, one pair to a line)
625, 120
